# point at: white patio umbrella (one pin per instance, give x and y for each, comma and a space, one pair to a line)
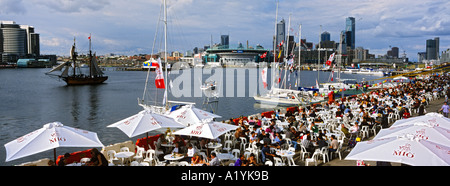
144, 122
206, 129
432, 119
402, 149
420, 130
50, 136
188, 115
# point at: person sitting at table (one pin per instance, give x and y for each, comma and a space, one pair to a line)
264, 137
306, 142
318, 120
277, 139
195, 159
214, 160
321, 142
312, 113
313, 128
258, 122
345, 130
364, 122
339, 112
190, 153
406, 113
266, 155
239, 160
251, 161
354, 130
64, 160
97, 159
333, 145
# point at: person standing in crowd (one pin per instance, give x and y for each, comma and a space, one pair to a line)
444, 109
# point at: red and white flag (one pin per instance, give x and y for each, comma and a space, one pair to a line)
159, 80
330, 60
263, 55
332, 73
264, 77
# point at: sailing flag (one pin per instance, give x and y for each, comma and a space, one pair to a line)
332, 73
317, 84
330, 60
281, 44
264, 77
159, 80
263, 55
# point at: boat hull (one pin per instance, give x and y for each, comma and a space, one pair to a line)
84, 80
282, 101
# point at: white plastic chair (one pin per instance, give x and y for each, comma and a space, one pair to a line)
158, 163
144, 164
134, 163
303, 152
243, 143
291, 161
236, 153
124, 149
338, 151
364, 132
324, 153
183, 163
312, 159
227, 145
139, 154
278, 161
111, 154
268, 163
150, 156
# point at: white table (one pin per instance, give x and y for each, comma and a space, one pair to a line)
172, 157
123, 155
285, 155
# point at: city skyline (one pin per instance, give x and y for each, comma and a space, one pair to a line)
128, 27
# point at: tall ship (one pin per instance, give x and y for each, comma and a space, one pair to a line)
76, 77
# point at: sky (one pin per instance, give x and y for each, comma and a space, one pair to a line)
128, 27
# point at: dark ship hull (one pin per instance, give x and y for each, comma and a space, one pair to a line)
84, 80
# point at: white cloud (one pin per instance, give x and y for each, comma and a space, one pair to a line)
126, 25
12, 7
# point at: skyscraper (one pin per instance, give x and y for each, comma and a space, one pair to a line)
325, 36
225, 41
350, 27
432, 48
281, 32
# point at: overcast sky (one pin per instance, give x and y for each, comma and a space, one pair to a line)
128, 26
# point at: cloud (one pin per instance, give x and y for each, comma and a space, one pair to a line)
12, 7
71, 6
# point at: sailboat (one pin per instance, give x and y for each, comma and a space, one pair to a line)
284, 96
346, 87
95, 75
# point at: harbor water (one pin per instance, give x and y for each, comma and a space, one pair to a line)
29, 99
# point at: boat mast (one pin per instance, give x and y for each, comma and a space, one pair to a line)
165, 55
90, 57
299, 53
318, 59
74, 56
276, 34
